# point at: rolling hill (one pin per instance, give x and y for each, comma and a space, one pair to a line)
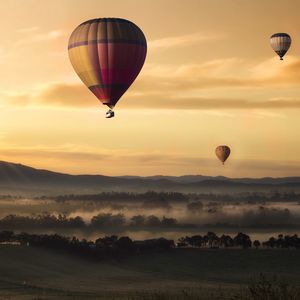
18, 179
40, 273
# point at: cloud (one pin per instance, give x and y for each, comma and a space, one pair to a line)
28, 29
76, 95
56, 154
206, 103
54, 94
14, 98
67, 155
181, 41
273, 71
171, 81
229, 72
184, 87
66, 95
40, 37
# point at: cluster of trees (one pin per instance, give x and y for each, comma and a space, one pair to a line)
287, 241
241, 240
105, 247
251, 198
100, 221
124, 197
262, 217
41, 221
254, 198
152, 221
138, 221
211, 240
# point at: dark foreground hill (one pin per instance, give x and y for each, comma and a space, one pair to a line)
18, 179
43, 274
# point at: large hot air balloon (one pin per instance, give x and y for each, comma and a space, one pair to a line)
280, 42
107, 54
222, 153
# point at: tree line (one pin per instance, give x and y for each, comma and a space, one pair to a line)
263, 217
104, 247
249, 197
241, 240
121, 197
118, 247
100, 221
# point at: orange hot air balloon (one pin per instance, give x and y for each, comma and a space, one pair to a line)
222, 153
107, 54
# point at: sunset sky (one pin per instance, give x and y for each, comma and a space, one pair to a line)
210, 78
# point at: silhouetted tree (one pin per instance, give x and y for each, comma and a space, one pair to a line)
256, 244
212, 239
226, 241
243, 240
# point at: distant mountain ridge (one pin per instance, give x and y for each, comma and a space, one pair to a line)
19, 179
198, 178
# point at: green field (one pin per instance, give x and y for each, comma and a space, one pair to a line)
32, 273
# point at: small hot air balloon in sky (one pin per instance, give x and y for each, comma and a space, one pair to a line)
107, 54
280, 42
222, 153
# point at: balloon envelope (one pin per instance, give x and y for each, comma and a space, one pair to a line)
280, 42
222, 153
107, 54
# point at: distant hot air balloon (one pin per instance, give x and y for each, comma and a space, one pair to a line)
107, 54
222, 153
280, 42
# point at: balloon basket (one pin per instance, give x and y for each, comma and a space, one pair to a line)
109, 114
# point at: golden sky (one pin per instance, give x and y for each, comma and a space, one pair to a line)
210, 78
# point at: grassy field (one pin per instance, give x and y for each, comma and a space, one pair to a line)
31, 273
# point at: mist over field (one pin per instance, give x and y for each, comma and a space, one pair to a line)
152, 214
